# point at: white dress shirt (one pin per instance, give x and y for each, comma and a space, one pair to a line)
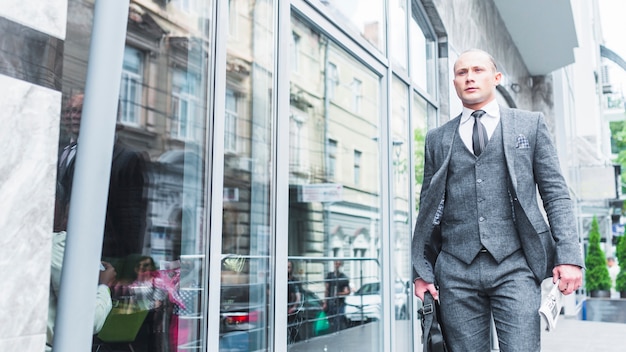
490, 120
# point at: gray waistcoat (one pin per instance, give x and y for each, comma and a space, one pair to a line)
478, 211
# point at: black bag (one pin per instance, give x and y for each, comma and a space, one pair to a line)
433, 337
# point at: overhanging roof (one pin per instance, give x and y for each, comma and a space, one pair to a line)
543, 31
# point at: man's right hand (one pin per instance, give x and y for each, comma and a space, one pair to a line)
422, 286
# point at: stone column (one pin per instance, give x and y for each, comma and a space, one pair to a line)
31, 50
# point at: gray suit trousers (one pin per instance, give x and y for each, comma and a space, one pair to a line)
470, 294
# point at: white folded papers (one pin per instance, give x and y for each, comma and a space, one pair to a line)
550, 308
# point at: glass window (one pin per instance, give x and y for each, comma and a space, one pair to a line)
188, 6
333, 80
356, 95
401, 224
246, 272
295, 50
233, 18
230, 122
130, 90
184, 103
398, 33
364, 17
154, 232
332, 158
423, 51
419, 120
334, 210
357, 167
298, 141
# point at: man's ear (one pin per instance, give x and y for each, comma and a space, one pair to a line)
498, 78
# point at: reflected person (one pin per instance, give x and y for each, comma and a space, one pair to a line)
127, 202
103, 303
294, 303
337, 287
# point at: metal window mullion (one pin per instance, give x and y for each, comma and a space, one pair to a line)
386, 214
85, 231
215, 183
282, 70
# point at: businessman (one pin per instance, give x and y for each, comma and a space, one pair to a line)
125, 221
481, 244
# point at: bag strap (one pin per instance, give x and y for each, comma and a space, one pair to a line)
432, 332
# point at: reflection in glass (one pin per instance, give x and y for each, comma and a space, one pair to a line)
334, 181
153, 233
419, 121
398, 32
401, 225
130, 90
246, 226
365, 17
423, 52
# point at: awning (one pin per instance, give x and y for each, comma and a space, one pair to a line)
543, 31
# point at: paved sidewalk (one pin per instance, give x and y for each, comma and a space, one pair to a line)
584, 336
570, 335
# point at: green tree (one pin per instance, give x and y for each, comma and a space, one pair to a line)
596, 273
620, 253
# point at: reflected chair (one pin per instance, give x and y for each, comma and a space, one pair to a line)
121, 327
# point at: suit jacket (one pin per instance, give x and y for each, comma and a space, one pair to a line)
532, 165
125, 221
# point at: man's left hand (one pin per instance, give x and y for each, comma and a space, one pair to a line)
571, 277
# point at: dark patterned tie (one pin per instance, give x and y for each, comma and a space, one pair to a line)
479, 135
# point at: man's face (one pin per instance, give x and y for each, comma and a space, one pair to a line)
475, 79
72, 114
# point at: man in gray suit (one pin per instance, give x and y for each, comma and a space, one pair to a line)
481, 244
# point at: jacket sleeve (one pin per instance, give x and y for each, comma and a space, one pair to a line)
421, 249
555, 198
103, 307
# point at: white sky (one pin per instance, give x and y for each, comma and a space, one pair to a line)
613, 20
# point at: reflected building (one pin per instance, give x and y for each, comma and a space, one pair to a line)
334, 182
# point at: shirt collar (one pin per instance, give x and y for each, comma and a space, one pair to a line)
492, 109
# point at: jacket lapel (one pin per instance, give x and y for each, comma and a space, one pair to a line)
448, 139
507, 122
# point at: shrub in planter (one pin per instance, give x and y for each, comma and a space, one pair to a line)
620, 253
596, 274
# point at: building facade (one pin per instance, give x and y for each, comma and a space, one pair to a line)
247, 135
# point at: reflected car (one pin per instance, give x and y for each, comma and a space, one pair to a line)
401, 299
365, 304
242, 317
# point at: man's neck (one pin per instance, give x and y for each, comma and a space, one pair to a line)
478, 106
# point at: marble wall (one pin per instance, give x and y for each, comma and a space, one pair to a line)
28, 172
31, 49
48, 16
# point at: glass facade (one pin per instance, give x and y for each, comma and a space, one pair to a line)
191, 221
335, 190
155, 228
